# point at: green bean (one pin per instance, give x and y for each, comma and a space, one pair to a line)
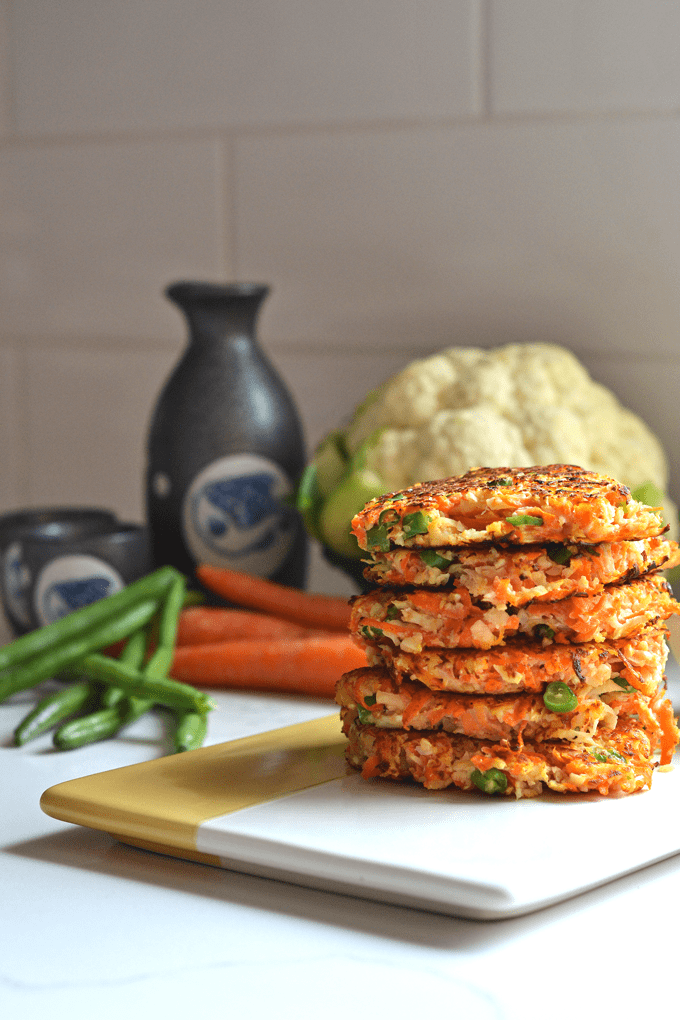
160, 662
69, 652
151, 587
132, 655
111, 696
169, 616
53, 709
190, 730
191, 725
159, 689
150, 683
134, 649
87, 729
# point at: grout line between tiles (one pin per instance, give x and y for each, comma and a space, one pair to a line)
231, 209
7, 103
285, 347
22, 404
484, 64
231, 135
224, 205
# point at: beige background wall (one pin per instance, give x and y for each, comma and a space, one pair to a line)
406, 176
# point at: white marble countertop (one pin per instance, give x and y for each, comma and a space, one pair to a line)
93, 927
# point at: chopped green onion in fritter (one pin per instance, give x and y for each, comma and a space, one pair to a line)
543, 631
431, 558
558, 697
605, 755
623, 684
388, 516
372, 633
365, 714
522, 520
415, 524
376, 537
559, 553
491, 781
391, 613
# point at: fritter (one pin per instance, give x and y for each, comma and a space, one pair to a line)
371, 697
532, 505
421, 618
521, 664
506, 576
620, 763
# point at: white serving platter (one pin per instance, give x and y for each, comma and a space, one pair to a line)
284, 805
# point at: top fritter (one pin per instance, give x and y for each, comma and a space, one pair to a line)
518, 506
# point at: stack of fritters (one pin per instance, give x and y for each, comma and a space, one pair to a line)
515, 633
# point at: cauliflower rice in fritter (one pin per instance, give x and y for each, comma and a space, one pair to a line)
637, 661
372, 697
620, 763
421, 618
507, 576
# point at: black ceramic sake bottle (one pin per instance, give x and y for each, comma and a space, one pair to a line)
225, 446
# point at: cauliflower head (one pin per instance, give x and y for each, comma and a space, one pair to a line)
512, 406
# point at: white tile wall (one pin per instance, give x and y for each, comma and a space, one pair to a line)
179, 64
89, 416
5, 71
584, 55
404, 176
90, 233
12, 421
424, 237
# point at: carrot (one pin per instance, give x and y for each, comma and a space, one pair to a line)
309, 665
328, 612
202, 625
669, 730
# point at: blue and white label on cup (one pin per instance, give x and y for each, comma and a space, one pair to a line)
233, 515
16, 581
71, 582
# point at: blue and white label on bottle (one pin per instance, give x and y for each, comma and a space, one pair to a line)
233, 515
70, 582
16, 581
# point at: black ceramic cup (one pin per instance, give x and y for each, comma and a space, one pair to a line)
60, 524
67, 573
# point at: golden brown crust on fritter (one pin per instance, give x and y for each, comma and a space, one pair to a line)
554, 503
621, 763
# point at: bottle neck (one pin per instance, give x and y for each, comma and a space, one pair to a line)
220, 314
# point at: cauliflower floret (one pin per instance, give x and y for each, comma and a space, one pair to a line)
395, 454
554, 435
626, 449
515, 405
408, 399
511, 406
481, 380
447, 445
